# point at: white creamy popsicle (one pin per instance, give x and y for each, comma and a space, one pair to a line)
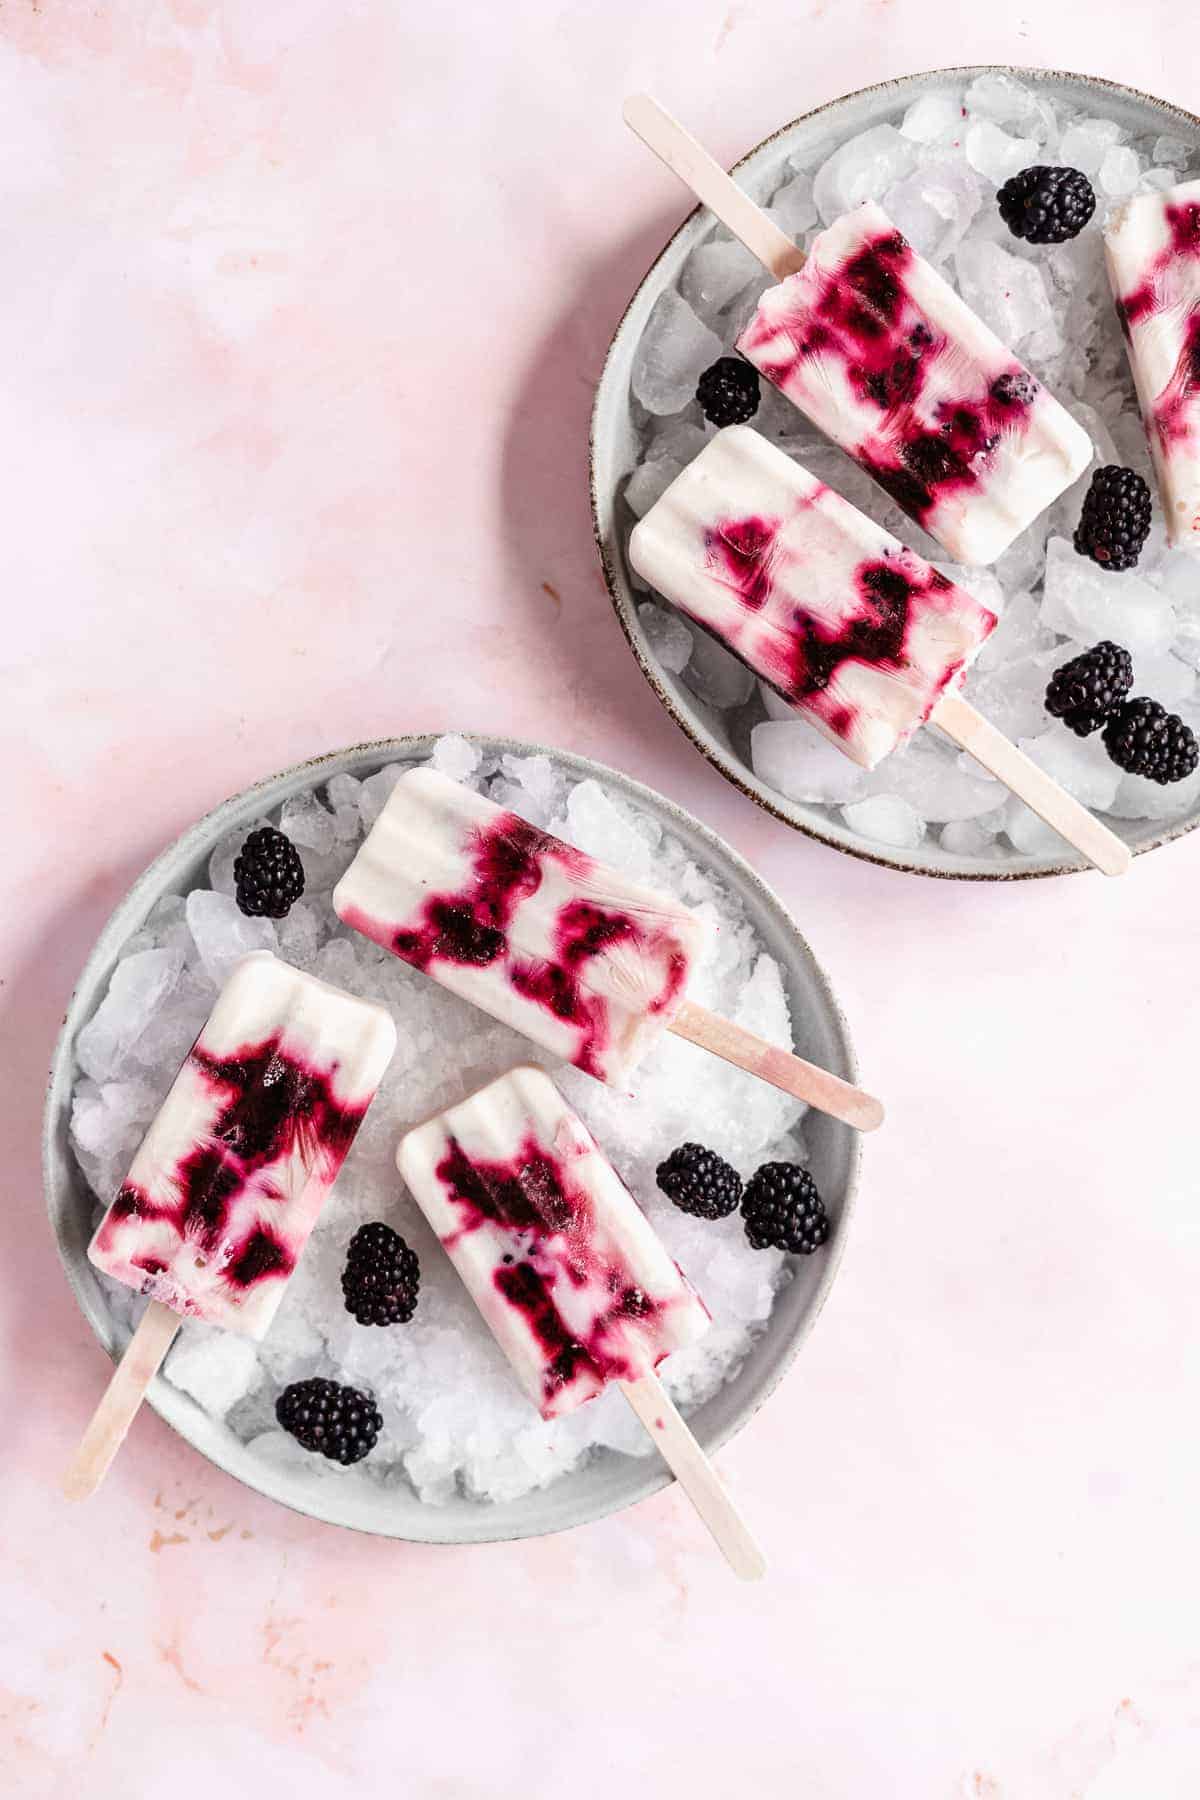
565, 1268
855, 631
232, 1174
1152, 248
878, 350
584, 962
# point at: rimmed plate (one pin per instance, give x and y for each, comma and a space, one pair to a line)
609, 1481
808, 141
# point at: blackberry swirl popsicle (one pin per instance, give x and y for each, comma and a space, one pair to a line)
865, 337
1152, 249
566, 1270
223, 1194
591, 966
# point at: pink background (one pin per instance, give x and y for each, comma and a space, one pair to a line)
305, 301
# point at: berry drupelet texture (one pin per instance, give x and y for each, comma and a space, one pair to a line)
700, 1182
1143, 738
382, 1276
269, 875
728, 391
1115, 521
330, 1420
1088, 688
783, 1210
1046, 206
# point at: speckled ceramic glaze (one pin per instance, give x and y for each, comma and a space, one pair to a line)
810, 140
609, 1481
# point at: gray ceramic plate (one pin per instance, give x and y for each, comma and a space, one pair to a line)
610, 1481
810, 140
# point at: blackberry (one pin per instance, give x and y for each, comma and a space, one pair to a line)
1143, 738
382, 1276
1016, 387
330, 1420
1046, 206
728, 391
269, 875
783, 1210
1115, 521
700, 1182
1089, 687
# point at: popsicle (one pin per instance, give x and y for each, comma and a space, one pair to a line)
229, 1180
1152, 248
855, 631
589, 965
565, 1268
869, 341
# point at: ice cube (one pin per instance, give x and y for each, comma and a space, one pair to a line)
138, 987
934, 118
1081, 765
1007, 293
1031, 835
1000, 98
793, 208
217, 1368
1165, 678
886, 820
454, 756
373, 795
1013, 697
300, 933
599, 828
1019, 634
223, 935
863, 168
669, 639
927, 774
1086, 143
649, 482
775, 706
1138, 798
674, 351
716, 675
969, 837
717, 271
1168, 149
343, 795
801, 765
934, 206
307, 823
1119, 171
1087, 603
1157, 181
996, 155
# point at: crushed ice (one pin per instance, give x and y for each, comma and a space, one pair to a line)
455, 1420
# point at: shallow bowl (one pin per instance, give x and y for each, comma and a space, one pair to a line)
808, 141
608, 1481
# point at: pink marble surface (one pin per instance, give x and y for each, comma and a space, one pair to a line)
305, 303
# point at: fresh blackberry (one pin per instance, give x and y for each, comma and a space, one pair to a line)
783, 1210
382, 1276
1115, 521
1016, 387
700, 1182
329, 1419
269, 875
1143, 738
1046, 206
728, 392
1089, 687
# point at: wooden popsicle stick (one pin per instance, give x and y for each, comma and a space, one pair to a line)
959, 720
711, 185
828, 1093
122, 1397
696, 1476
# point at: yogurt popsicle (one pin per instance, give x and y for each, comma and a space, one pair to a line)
565, 1268
878, 350
586, 963
869, 341
227, 1185
857, 632
1152, 248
